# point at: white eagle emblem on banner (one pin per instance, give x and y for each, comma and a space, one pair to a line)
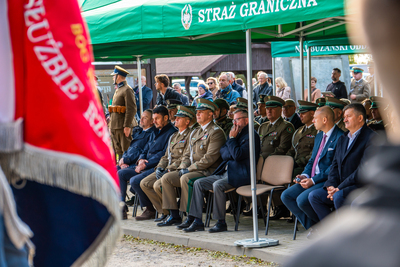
186, 16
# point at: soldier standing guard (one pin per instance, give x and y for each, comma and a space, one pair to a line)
220, 115
303, 138
122, 112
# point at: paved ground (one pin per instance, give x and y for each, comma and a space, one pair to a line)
280, 230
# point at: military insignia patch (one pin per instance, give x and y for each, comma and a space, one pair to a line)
310, 136
204, 137
290, 130
182, 141
273, 134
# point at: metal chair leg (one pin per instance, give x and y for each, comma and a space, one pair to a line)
269, 210
208, 209
135, 206
262, 209
233, 204
238, 213
295, 228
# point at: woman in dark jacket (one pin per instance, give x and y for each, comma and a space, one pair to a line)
204, 92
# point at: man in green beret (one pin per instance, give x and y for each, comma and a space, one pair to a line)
261, 110
200, 159
121, 123
221, 115
178, 142
377, 123
303, 138
337, 107
276, 139
359, 88
242, 103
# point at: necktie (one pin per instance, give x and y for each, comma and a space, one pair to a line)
321, 147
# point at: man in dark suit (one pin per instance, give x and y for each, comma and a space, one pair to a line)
149, 158
290, 115
350, 151
231, 173
126, 165
165, 92
147, 96
316, 171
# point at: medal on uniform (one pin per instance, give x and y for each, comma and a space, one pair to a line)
201, 147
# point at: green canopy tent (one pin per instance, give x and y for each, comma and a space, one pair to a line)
122, 30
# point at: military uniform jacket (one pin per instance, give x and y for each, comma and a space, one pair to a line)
203, 152
260, 119
276, 139
225, 124
302, 145
123, 96
341, 125
361, 90
176, 147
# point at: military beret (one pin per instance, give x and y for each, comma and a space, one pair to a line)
222, 103
320, 101
173, 103
357, 70
261, 99
120, 71
185, 112
305, 106
327, 93
334, 102
203, 104
273, 101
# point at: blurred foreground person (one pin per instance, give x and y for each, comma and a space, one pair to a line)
368, 233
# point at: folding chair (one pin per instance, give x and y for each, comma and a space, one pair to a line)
276, 173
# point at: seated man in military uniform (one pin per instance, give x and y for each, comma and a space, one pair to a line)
290, 115
303, 138
193, 123
220, 115
200, 159
261, 110
151, 185
377, 124
337, 107
276, 139
172, 105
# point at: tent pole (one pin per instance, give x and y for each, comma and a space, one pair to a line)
301, 65
139, 69
255, 242
273, 77
309, 72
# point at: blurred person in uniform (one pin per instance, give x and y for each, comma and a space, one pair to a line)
359, 88
172, 106
290, 115
377, 123
122, 122
177, 87
200, 159
367, 105
337, 107
213, 86
164, 91
221, 116
304, 137
261, 110
337, 87
177, 144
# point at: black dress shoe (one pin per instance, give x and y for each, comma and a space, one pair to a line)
218, 227
170, 221
194, 227
281, 211
131, 201
185, 224
162, 218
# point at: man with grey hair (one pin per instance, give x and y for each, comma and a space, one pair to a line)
263, 88
226, 91
177, 87
231, 78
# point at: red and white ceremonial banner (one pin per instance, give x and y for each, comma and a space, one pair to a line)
51, 121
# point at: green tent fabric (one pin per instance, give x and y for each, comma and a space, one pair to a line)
318, 48
154, 28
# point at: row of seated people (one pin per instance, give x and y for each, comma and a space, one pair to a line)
164, 157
